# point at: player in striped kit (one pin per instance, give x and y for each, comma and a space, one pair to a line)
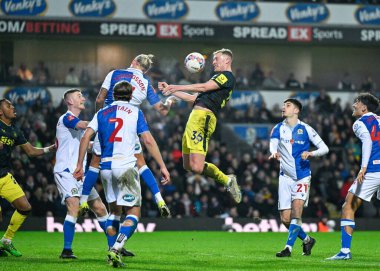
118, 126
290, 143
142, 90
367, 183
68, 135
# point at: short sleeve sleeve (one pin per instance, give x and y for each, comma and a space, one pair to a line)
142, 125
70, 121
223, 79
152, 96
94, 123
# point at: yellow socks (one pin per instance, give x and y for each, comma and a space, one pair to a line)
15, 223
212, 171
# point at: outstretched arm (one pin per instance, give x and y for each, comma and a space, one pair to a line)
201, 87
164, 108
33, 151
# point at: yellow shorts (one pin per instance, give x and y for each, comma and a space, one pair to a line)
9, 188
199, 128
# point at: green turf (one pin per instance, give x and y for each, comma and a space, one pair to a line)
193, 251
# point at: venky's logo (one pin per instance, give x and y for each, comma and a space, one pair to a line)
165, 9
237, 11
368, 15
128, 198
307, 13
23, 7
92, 8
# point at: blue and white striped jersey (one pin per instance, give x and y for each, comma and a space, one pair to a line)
118, 125
67, 142
142, 88
367, 129
291, 142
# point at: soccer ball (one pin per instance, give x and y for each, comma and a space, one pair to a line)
194, 62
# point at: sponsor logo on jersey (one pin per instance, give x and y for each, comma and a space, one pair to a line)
292, 141
128, 198
92, 8
307, 13
221, 79
23, 7
165, 9
74, 191
237, 11
7, 141
368, 15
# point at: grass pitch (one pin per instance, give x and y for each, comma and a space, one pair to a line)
192, 251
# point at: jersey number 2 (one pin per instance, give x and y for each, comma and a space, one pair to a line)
118, 125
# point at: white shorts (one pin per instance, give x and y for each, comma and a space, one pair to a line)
289, 190
69, 187
96, 146
98, 151
370, 185
124, 195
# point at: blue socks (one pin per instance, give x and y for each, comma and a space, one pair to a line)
301, 234
68, 231
113, 221
294, 229
147, 175
126, 232
102, 222
346, 238
89, 182
129, 230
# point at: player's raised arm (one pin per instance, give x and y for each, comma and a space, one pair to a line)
200, 87
178, 94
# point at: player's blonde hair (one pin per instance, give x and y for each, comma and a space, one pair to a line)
145, 61
224, 51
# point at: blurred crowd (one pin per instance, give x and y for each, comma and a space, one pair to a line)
192, 195
171, 71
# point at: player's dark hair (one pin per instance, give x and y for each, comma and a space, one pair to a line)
68, 92
368, 100
295, 102
122, 91
2, 100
